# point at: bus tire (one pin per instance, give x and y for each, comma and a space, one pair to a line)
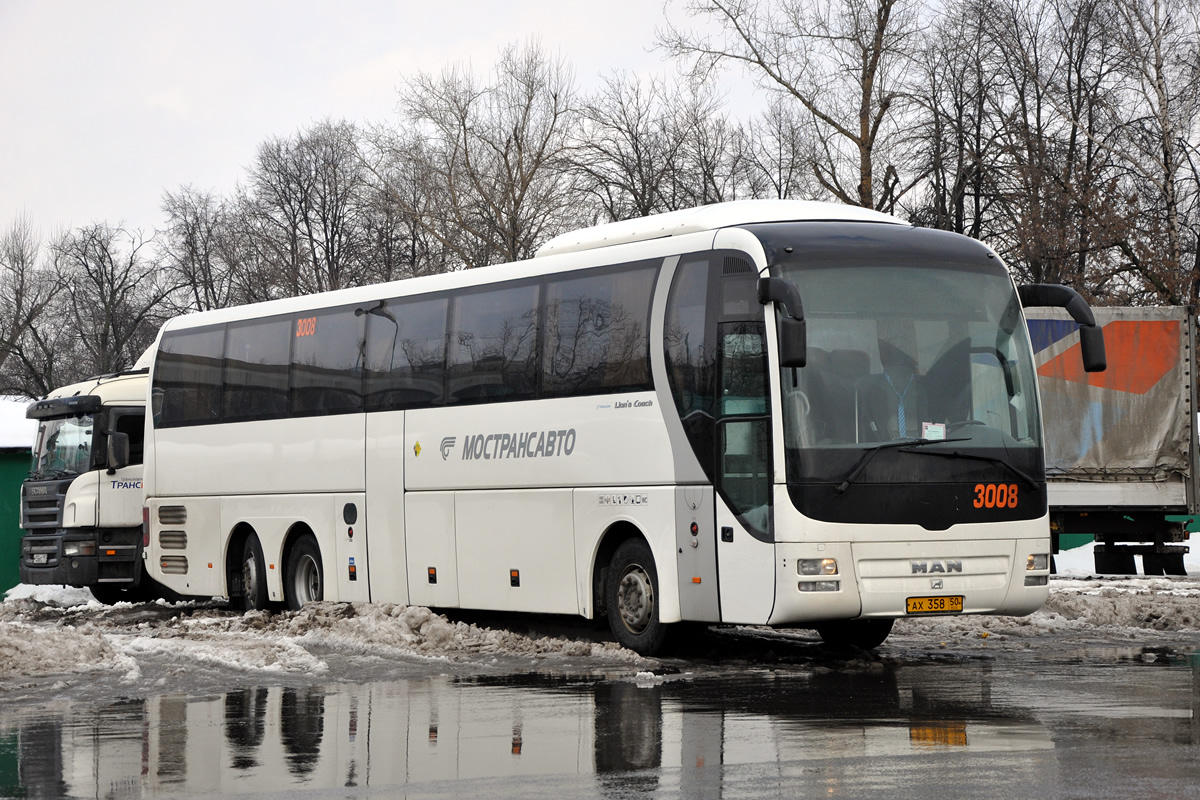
865, 634
254, 576
632, 599
304, 580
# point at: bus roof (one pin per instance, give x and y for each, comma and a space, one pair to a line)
707, 218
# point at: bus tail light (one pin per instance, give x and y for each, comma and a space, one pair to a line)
145, 527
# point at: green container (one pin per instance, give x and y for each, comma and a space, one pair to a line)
14, 467
1069, 541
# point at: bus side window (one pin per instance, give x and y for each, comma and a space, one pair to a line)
326, 369
406, 353
493, 345
187, 378
597, 332
256, 369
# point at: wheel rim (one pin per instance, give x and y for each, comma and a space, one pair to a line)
307, 582
250, 580
635, 599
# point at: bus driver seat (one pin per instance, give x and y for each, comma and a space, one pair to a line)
891, 404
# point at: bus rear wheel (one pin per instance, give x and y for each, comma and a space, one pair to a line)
866, 634
632, 599
254, 576
304, 580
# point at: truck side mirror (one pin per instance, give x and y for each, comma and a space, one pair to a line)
793, 330
118, 451
1091, 337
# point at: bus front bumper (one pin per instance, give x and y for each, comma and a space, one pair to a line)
838, 581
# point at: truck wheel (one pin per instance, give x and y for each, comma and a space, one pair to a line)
305, 580
108, 594
866, 634
254, 576
632, 598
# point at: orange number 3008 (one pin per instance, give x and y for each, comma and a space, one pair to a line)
995, 495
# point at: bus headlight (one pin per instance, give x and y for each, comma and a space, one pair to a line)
819, 586
817, 566
1038, 561
79, 548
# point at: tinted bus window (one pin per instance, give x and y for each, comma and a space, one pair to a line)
327, 363
187, 377
256, 369
597, 332
493, 345
406, 353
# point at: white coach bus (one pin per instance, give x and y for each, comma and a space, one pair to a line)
766, 413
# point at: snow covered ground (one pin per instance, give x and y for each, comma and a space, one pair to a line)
61, 637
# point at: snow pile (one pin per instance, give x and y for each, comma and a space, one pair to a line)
27, 650
48, 633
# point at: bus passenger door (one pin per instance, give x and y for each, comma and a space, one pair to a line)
745, 545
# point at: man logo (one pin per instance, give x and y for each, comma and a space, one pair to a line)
447, 446
930, 567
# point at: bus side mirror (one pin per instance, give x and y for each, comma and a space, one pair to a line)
118, 451
1091, 337
1091, 347
793, 330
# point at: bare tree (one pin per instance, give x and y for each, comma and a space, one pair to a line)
1161, 41
496, 155
112, 296
845, 62
27, 286
194, 249
626, 151
780, 155
304, 204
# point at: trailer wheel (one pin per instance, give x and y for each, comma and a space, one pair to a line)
254, 575
632, 598
304, 579
865, 634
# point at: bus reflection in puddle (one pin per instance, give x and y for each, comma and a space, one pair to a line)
681, 734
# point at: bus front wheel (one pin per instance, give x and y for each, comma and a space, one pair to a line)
866, 634
632, 599
304, 579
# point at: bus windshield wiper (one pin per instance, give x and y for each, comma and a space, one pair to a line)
870, 452
979, 457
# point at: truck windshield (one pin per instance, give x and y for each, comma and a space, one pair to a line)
64, 447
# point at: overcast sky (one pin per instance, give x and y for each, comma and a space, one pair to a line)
104, 105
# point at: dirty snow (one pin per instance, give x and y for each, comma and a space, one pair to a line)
57, 632
63, 631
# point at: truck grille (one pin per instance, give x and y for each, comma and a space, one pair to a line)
42, 503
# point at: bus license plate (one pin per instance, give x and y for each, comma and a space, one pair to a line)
39, 558
935, 605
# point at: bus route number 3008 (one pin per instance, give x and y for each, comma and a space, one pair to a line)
995, 495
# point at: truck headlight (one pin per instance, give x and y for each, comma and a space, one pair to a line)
79, 548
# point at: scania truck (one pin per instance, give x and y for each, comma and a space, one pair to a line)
81, 506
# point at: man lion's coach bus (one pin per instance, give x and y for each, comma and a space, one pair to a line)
766, 413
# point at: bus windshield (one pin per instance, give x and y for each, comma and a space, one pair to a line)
909, 352
64, 447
